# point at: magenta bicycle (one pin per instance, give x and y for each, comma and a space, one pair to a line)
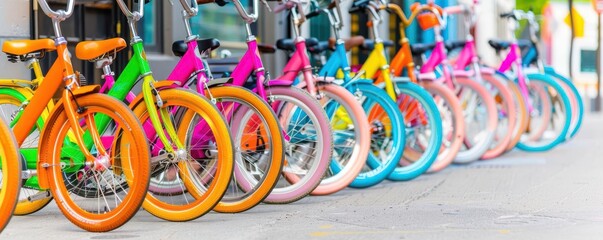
306, 128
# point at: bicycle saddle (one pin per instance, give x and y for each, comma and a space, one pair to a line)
358, 6
90, 50
452, 45
24, 47
266, 48
369, 44
289, 45
180, 47
420, 48
498, 44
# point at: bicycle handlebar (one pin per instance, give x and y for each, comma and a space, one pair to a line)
192, 9
136, 15
59, 14
247, 17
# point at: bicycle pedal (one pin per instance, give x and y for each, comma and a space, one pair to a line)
39, 196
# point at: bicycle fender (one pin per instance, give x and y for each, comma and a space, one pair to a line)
43, 171
166, 84
219, 82
17, 83
277, 82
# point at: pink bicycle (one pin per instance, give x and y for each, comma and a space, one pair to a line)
351, 133
479, 109
467, 65
306, 128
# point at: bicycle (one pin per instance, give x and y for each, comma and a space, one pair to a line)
256, 130
539, 91
424, 125
349, 123
531, 60
387, 138
99, 179
191, 146
467, 65
479, 109
10, 164
305, 125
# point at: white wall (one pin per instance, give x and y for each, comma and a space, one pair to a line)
561, 39
14, 16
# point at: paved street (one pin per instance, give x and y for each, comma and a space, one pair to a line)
552, 195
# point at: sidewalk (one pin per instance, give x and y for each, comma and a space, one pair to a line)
552, 195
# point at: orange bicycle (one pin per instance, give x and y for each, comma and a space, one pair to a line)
98, 175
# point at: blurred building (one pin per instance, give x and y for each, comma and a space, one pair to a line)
162, 25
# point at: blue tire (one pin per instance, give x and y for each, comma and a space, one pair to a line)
550, 82
378, 167
421, 165
578, 122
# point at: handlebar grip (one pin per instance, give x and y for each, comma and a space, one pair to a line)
145, 1
313, 14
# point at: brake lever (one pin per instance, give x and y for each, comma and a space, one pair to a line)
171, 2
266, 5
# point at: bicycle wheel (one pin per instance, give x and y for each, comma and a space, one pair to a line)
387, 138
521, 124
101, 194
31, 197
480, 116
550, 115
453, 126
259, 147
308, 143
351, 138
575, 100
506, 112
201, 169
423, 131
11, 174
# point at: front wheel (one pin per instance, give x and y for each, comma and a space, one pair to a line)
480, 116
201, 169
102, 194
308, 142
11, 174
259, 147
11, 101
453, 126
387, 134
423, 129
507, 114
575, 100
550, 114
350, 135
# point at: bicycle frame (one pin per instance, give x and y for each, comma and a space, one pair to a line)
138, 67
62, 69
513, 61
336, 62
300, 62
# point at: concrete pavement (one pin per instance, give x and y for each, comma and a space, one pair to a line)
552, 195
